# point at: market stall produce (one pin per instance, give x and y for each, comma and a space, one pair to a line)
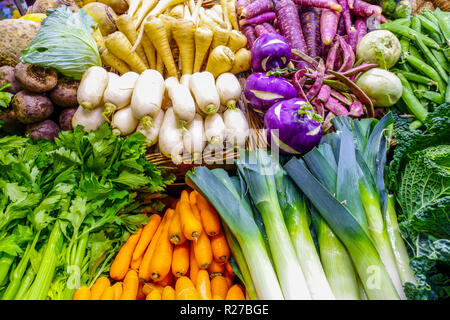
225, 150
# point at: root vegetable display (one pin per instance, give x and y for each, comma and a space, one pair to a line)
194, 139
65, 93
7, 76
65, 118
89, 119
170, 140
46, 129
31, 107
92, 86
237, 127
215, 130
229, 89
34, 78
204, 91
124, 122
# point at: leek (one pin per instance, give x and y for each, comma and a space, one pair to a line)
370, 268
240, 222
336, 262
257, 168
296, 217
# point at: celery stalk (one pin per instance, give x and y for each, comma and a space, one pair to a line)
6, 261
26, 283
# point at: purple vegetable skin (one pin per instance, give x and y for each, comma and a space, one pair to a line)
341, 26
256, 8
352, 38
65, 118
361, 28
262, 91
340, 97
290, 27
270, 51
332, 54
263, 17
336, 107
348, 55
46, 129
241, 4
325, 4
315, 88
310, 18
249, 33
293, 126
346, 14
364, 9
260, 30
269, 27
356, 109
329, 20
324, 93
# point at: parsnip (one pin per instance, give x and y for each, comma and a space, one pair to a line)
177, 11
220, 38
147, 96
241, 61
194, 138
118, 95
229, 89
237, 129
215, 129
151, 134
220, 60
134, 6
236, 41
125, 25
124, 122
111, 60
170, 140
204, 91
92, 86
183, 104
203, 37
89, 119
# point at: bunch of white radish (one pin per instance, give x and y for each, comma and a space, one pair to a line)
176, 116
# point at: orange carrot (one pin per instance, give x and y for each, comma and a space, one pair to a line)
216, 269
176, 234
235, 292
180, 260
122, 261
130, 286
135, 264
117, 287
162, 256
229, 268
193, 265
108, 294
98, 287
184, 196
150, 286
167, 280
144, 268
219, 287
204, 285
185, 289
147, 234
220, 248
140, 294
154, 295
203, 251
191, 225
82, 293
229, 278
168, 293
210, 218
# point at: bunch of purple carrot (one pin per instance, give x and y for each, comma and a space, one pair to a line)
323, 36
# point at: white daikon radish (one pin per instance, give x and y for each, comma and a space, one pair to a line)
183, 104
185, 78
171, 81
203, 88
89, 119
118, 92
147, 96
170, 140
151, 134
194, 138
124, 122
229, 89
237, 127
92, 86
215, 129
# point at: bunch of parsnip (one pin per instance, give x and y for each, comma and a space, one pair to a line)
175, 37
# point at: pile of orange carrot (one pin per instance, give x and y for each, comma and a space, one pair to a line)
182, 255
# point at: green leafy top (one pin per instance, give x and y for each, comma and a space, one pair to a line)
65, 43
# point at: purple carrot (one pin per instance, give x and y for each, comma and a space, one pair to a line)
352, 38
360, 94
334, 106
241, 4
341, 26
299, 80
361, 68
260, 30
356, 109
346, 15
310, 18
364, 9
256, 8
249, 33
382, 18
325, 4
361, 28
348, 55
332, 54
269, 27
329, 20
315, 89
340, 97
290, 27
324, 93
263, 17
350, 3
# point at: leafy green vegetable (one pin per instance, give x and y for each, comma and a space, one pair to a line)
419, 175
65, 43
5, 97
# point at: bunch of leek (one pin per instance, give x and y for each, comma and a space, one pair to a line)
343, 180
